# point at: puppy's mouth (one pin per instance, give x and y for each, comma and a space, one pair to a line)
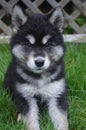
39, 70
38, 64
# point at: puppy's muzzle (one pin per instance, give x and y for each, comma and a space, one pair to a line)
39, 62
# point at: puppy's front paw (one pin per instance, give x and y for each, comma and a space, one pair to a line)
19, 117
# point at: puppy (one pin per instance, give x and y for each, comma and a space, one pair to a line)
36, 72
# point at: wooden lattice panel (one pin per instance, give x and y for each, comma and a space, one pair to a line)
71, 8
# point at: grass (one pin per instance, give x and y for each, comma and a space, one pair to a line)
75, 67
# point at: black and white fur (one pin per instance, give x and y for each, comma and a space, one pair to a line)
36, 72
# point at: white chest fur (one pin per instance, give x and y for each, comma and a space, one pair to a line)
53, 89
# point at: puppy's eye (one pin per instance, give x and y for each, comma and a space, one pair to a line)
48, 44
28, 44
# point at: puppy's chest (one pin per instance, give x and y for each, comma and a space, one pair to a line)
46, 90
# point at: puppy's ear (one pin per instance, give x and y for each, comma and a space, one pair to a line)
18, 18
56, 18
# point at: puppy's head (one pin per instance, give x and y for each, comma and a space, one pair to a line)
37, 42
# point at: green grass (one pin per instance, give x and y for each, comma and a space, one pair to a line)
75, 67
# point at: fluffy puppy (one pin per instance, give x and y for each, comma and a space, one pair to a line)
36, 72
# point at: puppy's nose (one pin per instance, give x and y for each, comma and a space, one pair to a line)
39, 62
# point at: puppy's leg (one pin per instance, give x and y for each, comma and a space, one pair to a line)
31, 117
58, 116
